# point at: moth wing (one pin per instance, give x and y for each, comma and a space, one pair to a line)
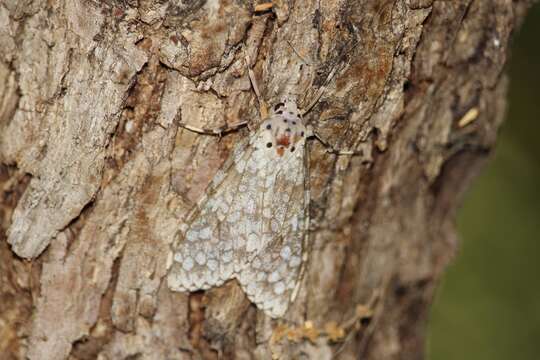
202, 254
250, 225
270, 277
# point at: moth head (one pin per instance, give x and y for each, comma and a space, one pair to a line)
287, 107
284, 131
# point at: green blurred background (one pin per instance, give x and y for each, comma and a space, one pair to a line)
488, 305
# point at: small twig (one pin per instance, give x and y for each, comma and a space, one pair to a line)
263, 7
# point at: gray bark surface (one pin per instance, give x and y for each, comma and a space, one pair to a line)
96, 172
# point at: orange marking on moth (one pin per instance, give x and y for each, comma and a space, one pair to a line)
284, 140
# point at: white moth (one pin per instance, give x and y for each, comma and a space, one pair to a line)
252, 223
253, 219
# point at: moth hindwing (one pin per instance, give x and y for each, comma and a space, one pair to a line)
251, 223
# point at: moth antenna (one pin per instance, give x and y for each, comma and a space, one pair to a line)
297, 54
332, 73
320, 92
263, 107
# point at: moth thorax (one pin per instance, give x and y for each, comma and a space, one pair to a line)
285, 130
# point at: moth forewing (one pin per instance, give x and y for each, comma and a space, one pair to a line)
202, 249
307, 199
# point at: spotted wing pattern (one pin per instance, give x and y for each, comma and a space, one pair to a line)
250, 224
271, 276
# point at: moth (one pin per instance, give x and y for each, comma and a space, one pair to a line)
252, 223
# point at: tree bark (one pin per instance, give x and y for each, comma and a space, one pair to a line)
96, 172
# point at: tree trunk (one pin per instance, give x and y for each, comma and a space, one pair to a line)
97, 174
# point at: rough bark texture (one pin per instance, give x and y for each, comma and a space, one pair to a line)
96, 172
